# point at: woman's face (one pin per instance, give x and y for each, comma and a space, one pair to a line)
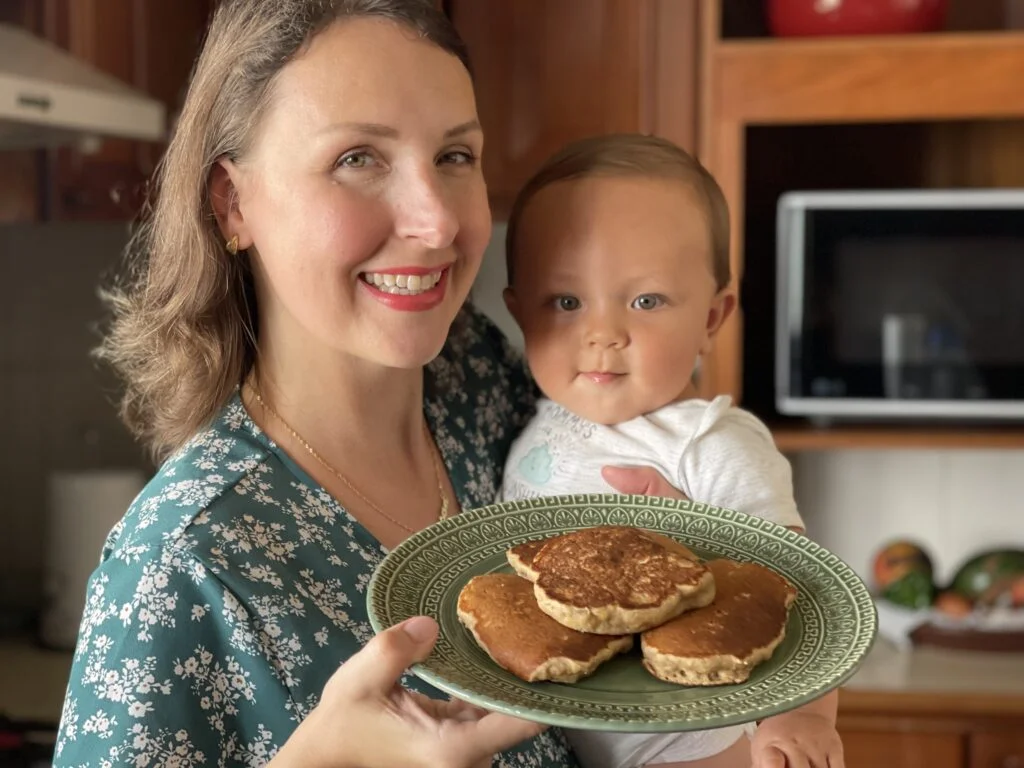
363, 199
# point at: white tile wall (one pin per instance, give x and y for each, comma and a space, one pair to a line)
490, 284
51, 392
954, 502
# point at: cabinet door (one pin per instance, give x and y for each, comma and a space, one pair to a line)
149, 44
906, 749
550, 71
19, 170
92, 185
997, 749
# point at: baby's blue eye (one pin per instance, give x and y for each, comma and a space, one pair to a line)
567, 303
647, 301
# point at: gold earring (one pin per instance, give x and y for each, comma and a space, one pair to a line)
232, 245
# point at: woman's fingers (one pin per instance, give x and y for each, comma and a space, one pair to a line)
495, 733
374, 670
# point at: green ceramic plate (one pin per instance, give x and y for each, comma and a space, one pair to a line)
831, 627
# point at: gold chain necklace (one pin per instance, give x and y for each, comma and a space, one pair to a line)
442, 515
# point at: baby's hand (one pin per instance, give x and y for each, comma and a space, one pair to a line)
797, 740
642, 481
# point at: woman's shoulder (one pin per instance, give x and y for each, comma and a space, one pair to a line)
475, 339
479, 368
210, 474
232, 502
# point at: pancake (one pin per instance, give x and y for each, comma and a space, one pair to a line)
501, 612
723, 642
520, 557
672, 544
617, 580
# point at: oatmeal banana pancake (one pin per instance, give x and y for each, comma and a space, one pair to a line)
617, 580
501, 612
723, 642
520, 557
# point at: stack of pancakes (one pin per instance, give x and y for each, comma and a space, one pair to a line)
579, 599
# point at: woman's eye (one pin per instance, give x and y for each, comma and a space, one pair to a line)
458, 157
356, 160
567, 303
648, 301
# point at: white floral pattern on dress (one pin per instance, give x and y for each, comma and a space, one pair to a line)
235, 585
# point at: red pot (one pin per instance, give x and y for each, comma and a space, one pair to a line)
797, 18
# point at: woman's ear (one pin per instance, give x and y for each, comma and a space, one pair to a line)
224, 179
722, 306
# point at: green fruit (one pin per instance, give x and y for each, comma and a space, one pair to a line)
913, 589
983, 571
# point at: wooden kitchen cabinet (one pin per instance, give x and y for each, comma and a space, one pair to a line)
866, 747
941, 730
929, 743
998, 749
951, 100
551, 71
148, 44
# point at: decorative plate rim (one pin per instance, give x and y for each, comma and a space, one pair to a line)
856, 599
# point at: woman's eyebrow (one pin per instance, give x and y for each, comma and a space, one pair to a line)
388, 132
373, 129
463, 128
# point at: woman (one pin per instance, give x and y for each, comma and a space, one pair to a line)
296, 351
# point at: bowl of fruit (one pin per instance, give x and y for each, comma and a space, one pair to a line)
980, 608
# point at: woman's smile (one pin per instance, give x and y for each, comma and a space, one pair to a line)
404, 281
408, 289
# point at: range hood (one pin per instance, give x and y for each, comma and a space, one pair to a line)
50, 98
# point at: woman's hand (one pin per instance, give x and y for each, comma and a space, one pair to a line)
642, 481
365, 719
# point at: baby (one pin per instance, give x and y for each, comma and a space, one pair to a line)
618, 276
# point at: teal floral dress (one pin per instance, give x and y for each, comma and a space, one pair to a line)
235, 585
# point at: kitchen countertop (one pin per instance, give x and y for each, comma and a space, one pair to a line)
924, 680
32, 680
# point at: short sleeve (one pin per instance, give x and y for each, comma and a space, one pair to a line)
602, 749
168, 670
732, 462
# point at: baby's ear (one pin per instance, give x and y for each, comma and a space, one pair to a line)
510, 303
722, 306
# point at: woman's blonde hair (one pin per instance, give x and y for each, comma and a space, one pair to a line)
630, 154
183, 332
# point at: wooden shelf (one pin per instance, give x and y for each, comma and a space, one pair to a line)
954, 77
967, 75
796, 438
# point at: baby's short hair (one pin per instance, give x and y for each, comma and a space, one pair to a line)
636, 155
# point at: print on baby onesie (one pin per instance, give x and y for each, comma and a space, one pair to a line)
536, 465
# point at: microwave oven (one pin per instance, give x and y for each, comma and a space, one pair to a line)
900, 304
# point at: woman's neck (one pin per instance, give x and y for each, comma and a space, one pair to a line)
337, 402
354, 428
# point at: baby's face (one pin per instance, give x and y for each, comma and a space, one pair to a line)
614, 293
